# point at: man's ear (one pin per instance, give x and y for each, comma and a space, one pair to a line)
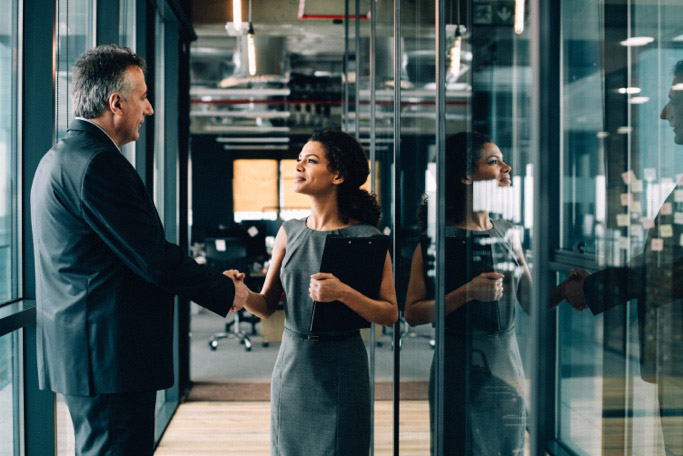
115, 103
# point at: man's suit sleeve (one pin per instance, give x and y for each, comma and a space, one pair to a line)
614, 286
116, 205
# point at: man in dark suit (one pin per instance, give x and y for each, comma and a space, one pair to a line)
655, 279
105, 274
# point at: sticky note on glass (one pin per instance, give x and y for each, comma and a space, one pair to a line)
637, 186
657, 245
678, 218
678, 196
636, 231
628, 177
680, 241
623, 243
220, 245
636, 207
647, 223
666, 209
625, 199
650, 174
622, 219
666, 231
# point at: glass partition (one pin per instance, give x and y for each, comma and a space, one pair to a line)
10, 395
620, 387
75, 34
9, 151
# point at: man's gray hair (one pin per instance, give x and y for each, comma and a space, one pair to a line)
97, 74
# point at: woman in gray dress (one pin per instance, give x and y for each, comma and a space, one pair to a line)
320, 386
486, 276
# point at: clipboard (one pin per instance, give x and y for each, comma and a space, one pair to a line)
466, 258
357, 262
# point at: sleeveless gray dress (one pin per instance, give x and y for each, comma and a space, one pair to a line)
484, 404
320, 393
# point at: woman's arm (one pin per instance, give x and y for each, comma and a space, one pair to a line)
524, 290
382, 311
265, 303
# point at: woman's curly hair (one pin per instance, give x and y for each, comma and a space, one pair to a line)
463, 152
347, 157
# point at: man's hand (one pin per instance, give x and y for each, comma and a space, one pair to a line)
326, 287
573, 289
241, 290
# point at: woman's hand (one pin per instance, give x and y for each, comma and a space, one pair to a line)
326, 287
486, 287
241, 290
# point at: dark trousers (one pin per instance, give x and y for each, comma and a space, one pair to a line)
115, 424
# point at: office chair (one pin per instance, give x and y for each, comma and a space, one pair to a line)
221, 254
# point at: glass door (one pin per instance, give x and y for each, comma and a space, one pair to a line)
619, 385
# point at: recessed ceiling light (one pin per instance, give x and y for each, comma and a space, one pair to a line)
677, 38
638, 41
624, 130
638, 100
629, 90
602, 134
678, 86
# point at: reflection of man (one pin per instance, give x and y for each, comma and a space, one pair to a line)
105, 273
655, 279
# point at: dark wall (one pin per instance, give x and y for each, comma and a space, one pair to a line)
211, 184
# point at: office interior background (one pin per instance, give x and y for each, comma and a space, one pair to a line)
570, 90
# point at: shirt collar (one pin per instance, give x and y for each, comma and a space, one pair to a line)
103, 131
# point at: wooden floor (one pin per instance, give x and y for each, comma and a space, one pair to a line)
243, 428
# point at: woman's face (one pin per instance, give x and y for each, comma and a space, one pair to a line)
492, 167
313, 175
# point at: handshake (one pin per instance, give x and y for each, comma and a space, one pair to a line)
241, 290
571, 289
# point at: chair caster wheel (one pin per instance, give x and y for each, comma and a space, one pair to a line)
213, 345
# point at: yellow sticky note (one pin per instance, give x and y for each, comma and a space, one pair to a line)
636, 207
647, 223
625, 199
637, 186
622, 219
678, 218
666, 209
666, 231
678, 196
623, 243
628, 177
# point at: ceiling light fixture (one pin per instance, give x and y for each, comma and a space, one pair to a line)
519, 17
251, 49
237, 14
456, 49
629, 90
636, 41
638, 100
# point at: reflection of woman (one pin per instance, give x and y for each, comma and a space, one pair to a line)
484, 409
320, 388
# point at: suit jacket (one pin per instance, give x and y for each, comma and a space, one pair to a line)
655, 279
105, 274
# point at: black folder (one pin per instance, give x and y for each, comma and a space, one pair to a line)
465, 258
357, 262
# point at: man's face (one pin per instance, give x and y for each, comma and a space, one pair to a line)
134, 107
673, 111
